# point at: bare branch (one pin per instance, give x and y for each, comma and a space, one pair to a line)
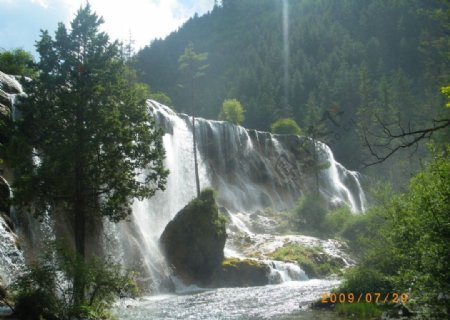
404, 139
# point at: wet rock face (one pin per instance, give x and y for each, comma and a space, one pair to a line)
194, 240
252, 170
4, 196
8, 86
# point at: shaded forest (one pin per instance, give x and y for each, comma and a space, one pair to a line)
350, 63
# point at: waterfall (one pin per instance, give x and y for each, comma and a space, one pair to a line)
249, 169
340, 184
11, 257
285, 271
11, 88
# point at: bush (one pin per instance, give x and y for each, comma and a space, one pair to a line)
355, 228
311, 211
285, 126
336, 220
17, 62
365, 280
162, 98
45, 290
232, 111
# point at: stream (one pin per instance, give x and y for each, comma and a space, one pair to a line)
288, 300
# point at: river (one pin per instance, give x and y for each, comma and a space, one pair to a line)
288, 300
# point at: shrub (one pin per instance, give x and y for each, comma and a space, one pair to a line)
311, 211
363, 280
162, 98
232, 111
285, 126
45, 290
336, 220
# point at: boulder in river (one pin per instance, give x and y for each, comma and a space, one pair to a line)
194, 240
236, 272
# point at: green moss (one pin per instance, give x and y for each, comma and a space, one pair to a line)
235, 262
311, 259
241, 273
193, 241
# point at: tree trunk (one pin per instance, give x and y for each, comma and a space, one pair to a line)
316, 166
79, 211
197, 179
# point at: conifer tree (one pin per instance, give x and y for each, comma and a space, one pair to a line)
192, 67
91, 145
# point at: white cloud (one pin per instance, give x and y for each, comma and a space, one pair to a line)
42, 3
144, 20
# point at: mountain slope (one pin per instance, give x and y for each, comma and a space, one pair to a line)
352, 57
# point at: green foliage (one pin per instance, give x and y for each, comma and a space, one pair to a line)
194, 240
446, 91
17, 62
407, 246
359, 310
85, 118
285, 126
356, 228
45, 289
161, 97
206, 206
331, 42
311, 210
192, 68
232, 111
85, 142
336, 220
365, 279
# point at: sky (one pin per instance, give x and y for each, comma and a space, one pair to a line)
143, 20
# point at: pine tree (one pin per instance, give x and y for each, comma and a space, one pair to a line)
192, 67
86, 142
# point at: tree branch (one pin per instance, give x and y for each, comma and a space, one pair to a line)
404, 139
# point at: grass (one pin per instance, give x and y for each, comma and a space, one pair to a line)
361, 310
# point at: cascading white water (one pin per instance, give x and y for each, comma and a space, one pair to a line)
138, 239
11, 258
249, 169
285, 271
340, 184
11, 88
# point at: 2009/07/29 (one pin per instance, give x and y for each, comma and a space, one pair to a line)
369, 297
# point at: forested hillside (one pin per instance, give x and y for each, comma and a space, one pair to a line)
347, 61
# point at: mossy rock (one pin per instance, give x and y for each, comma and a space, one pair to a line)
313, 260
194, 240
241, 273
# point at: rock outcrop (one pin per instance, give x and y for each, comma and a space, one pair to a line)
9, 86
194, 240
236, 272
4, 196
